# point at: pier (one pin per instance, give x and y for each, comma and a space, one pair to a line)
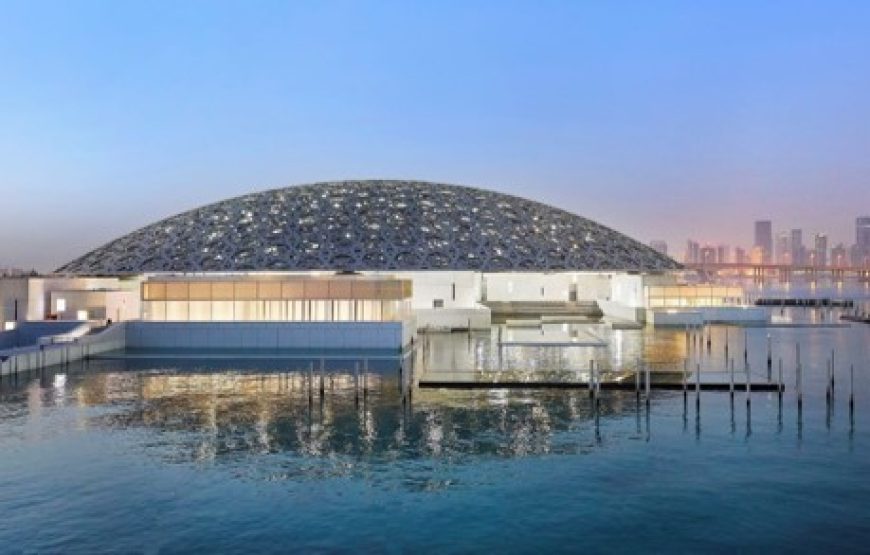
624, 385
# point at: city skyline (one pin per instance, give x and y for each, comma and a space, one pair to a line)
616, 115
789, 245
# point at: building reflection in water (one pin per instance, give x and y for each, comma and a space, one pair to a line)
209, 413
210, 416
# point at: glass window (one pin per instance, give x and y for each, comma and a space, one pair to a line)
200, 311
176, 311
222, 311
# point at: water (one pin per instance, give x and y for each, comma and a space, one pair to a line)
178, 456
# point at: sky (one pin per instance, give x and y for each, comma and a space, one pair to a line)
664, 120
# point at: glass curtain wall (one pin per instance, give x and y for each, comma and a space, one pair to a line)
299, 300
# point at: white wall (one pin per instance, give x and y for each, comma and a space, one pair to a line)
627, 289
456, 289
527, 286
557, 286
453, 319
592, 286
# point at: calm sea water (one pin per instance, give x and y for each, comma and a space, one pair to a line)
199, 456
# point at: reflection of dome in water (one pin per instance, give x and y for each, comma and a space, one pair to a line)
372, 225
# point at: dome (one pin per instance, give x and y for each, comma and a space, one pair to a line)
371, 225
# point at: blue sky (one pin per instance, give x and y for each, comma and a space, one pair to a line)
661, 119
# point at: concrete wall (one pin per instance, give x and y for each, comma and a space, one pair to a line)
29, 333
682, 318
696, 316
26, 359
619, 311
266, 335
455, 289
627, 290
212, 335
527, 286
540, 286
453, 319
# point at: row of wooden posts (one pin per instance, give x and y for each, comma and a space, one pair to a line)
830, 367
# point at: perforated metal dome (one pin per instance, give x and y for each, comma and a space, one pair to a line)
371, 225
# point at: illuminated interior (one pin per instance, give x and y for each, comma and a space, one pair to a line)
299, 299
691, 296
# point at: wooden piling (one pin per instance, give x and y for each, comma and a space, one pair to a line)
851, 389
597, 386
322, 377
637, 380
356, 381
685, 379
365, 378
731, 383
828, 382
781, 385
310, 381
800, 395
591, 383
647, 385
748, 384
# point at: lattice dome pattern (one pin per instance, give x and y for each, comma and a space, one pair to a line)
371, 225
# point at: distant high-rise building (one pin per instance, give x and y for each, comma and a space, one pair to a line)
820, 250
693, 252
708, 255
838, 256
861, 252
783, 248
756, 256
797, 247
722, 254
740, 256
764, 239
659, 246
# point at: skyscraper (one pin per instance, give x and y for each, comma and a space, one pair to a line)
708, 255
797, 247
660, 246
764, 239
820, 250
861, 251
693, 252
783, 251
862, 232
838, 256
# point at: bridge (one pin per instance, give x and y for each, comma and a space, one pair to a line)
783, 271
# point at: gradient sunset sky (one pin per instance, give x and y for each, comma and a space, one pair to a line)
661, 119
